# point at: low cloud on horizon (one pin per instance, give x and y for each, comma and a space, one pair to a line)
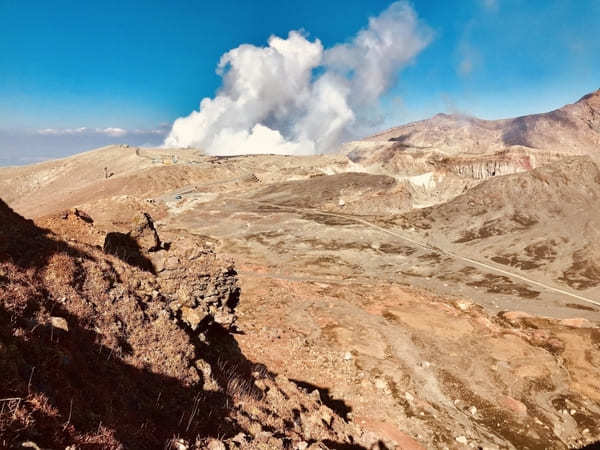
21, 147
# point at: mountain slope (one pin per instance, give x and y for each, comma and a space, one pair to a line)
572, 129
535, 139
410, 275
541, 222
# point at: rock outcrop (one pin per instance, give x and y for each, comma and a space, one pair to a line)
200, 289
144, 233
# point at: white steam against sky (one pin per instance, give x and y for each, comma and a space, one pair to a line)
296, 97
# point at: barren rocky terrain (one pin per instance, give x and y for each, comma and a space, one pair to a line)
437, 285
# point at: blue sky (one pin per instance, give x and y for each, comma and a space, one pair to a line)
137, 66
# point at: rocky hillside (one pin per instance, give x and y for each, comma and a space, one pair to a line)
129, 345
541, 222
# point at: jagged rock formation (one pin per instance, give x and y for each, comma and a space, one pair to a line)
200, 291
481, 168
145, 234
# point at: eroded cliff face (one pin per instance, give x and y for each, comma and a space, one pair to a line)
387, 158
433, 177
482, 168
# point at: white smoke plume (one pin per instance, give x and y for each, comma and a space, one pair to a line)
295, 97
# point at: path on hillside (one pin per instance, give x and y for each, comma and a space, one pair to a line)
296, 278
425, 247
195, 188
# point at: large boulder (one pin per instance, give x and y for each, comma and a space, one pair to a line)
144, 233
133, 247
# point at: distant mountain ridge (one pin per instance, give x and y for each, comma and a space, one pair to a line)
573, 129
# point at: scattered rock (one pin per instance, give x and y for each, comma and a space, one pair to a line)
239, 438
513, 405
380, 384
180, 444
463, 305
193, 316
462, 440
389, 432
347, 356
30, 444
515, 316
60, 323
316, 395
215, 444
317, 446
326, 416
